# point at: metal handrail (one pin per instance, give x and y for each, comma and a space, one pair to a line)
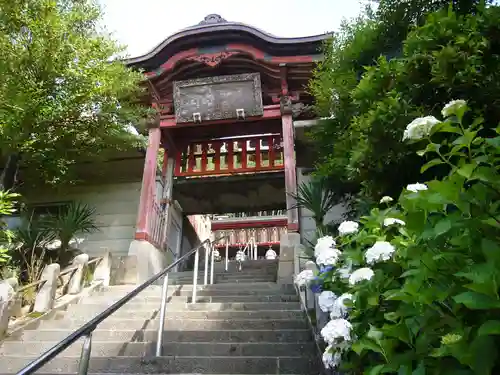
88, 328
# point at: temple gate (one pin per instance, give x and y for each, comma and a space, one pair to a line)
227, 96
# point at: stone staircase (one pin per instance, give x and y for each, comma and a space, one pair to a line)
244, 324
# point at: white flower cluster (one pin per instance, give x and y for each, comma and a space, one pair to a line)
304, 278
339, 309
391, 221
331, 359
361, 274
453, 107
415, 188
336, 331
386, 199
348, 227
325, 252
323, 243
420, 128
326, 300
380, 252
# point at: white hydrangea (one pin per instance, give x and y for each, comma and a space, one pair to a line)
386, 199
420, 127
453, 107
348, 227
323, 243
416, 187
360, 275
331, 359
326, 299
328, 257
345, 271
339, 309
336, 330
304, 277
381, 251
391, 221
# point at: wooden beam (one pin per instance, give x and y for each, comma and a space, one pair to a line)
289, 154
270, 112
148, 188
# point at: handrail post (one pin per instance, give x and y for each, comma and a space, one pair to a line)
211, 264
207, 254
255, 248
195, 274
163, 307
227, 253
83, 366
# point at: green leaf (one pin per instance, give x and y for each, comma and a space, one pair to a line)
366, 344
376, 370
491, 327
431, 147
467, 170
486, 174
420, 370
491, 250
484, 355
431, 164
442, 227
477, 301
446, 127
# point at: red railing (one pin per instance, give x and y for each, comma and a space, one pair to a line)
263, 236
157, 232
242, 155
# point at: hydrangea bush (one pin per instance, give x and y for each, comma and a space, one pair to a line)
413, 288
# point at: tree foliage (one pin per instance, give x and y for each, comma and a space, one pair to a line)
387, 67
63, 94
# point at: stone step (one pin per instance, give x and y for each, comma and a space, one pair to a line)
201, 349
188, 298
151, 314
169, 365
251, 286
181, 324
132, 308
224, 336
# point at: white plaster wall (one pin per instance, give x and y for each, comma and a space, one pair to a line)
116, 213
307, 225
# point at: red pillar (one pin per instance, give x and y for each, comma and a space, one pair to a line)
148, 189
290, 167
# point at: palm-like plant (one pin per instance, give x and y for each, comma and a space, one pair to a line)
317, 198
75, 218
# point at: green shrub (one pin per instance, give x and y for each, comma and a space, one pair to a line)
424, 273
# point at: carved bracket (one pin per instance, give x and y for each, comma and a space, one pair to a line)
212, 59
286, 105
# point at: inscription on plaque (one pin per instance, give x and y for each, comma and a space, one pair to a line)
217, 98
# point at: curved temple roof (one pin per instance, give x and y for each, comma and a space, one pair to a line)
214, 30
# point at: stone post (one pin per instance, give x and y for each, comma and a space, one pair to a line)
76, 281
7, 299
45, 297
312, 301
288, 246
102, 270
310, 296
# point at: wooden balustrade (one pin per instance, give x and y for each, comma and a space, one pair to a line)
157, 225
263, 236
242, 155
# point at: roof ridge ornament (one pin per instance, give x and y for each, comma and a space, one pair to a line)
212, 19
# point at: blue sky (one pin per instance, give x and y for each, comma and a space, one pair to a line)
143, 24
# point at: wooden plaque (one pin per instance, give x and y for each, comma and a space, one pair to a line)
217, 98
